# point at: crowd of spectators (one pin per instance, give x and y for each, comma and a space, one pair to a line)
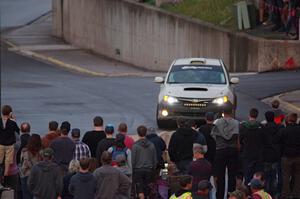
282, 14
261, 159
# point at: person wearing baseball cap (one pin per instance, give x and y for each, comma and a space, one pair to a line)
204, 187
257, 189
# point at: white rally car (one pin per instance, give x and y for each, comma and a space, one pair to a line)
192, 87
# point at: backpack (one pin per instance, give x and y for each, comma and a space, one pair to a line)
118, 152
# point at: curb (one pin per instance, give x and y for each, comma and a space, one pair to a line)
71, 67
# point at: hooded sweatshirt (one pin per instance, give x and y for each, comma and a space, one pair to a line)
143, 155
45, 181
225, 132
181, 144
251, 139
271, 148
160, 146
83, 185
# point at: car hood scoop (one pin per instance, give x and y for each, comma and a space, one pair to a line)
195, 89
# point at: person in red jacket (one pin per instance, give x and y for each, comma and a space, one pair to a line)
279, 115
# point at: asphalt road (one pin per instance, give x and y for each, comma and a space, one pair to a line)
40, 92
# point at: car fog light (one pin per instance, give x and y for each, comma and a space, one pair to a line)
164, 113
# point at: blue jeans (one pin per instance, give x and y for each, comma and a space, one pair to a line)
271, 173
25, 192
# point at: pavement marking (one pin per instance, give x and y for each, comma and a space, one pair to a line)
44, 47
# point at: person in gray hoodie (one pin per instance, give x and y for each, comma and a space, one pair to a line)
45, 181
83, 184
225, 132
144, 162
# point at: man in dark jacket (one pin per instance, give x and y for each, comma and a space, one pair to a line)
271, 153
251, 140
143, 162
290, 161
105, 143
159, 144
181, 144
83, 184
24, 137
45, 181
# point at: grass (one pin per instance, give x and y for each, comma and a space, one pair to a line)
218, 12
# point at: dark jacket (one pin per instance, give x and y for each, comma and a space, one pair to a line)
45, 181
160, 147
92, 138
83, 185
66, 181
251, 140
7, 134
103, 145
143, 155
24, 140
210, 141
181, 144
271, 148
289, 138
111, 183
64, 148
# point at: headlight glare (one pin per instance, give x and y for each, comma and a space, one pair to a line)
170, 100
220, 100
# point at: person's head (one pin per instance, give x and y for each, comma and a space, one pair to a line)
181, 122
109, 129
75, 133
151, 130
185, 182
142, 131
275, 104
25, 127
74, 166
269, 115
292, 118
122, 128
260, 176
93, 165
84, 164
119, 141
204, 188
106, 158
253, 113
209, 117
98, 121
47, 154
198, 151
256, 185
227, 111
237, 194
34, 144
121, 160
6, 110
53, 126
65, 128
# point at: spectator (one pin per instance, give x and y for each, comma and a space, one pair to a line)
8, 128
82, 150
200, 168
206, 131
251, 140
279, 116
83, 184
111, 183
121, 155
45, 181
271, 153
185, 183
181, 144
159, 144
225, 133
203, 189
63, 148
290, 161
293, 19
24, 137
51, 135
73, 169
257, 190
143, 162
107, 142
92, 138
128, 140
237, 194
93, 165
30, 156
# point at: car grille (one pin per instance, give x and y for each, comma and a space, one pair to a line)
195, 102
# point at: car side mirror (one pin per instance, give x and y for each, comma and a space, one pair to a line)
159, 80
234, 80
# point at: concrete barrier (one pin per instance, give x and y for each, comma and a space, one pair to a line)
149, 37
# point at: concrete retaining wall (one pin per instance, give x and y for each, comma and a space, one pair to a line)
151, 38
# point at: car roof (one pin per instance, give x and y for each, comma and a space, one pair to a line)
195, 61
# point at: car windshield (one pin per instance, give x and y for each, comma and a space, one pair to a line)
196, 74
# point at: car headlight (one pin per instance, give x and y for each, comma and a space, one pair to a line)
170, 100
220, 100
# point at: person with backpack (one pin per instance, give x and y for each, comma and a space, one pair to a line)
120, 152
